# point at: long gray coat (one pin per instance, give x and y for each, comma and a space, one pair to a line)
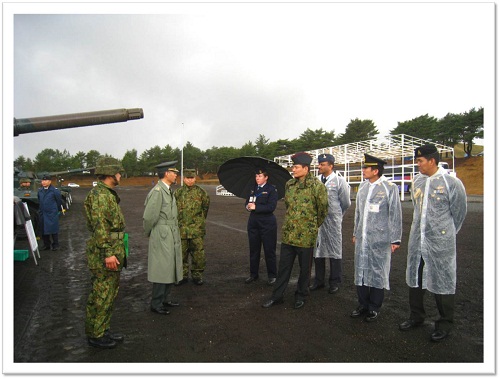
377, 225
440, 206
329, 242
160, 225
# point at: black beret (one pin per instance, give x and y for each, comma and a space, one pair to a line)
301, 158
46, 177
326, 158
425, 150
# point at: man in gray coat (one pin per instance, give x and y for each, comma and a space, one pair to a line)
440, 207
164, 250
329, 242
377, 234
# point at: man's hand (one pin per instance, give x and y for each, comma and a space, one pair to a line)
112, 263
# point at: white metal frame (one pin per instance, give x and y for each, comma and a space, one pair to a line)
397, 150
221, 191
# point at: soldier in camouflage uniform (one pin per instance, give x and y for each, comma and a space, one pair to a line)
192, 206
306, 202
24, 184
105, 252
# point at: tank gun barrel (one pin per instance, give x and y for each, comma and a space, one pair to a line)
75, 120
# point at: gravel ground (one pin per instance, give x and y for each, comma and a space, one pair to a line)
223, 321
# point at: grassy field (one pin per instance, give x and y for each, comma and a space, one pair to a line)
459, 150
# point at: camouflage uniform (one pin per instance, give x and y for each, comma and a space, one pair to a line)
306, 208
106, 223
306, 204
192, 205
26, 182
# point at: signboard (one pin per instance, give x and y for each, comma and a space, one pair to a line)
30, 232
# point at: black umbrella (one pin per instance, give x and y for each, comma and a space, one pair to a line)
237, 175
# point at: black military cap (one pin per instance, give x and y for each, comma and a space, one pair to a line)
425, 150
301, 158
326, 158
46, 177
166, 166
371, 161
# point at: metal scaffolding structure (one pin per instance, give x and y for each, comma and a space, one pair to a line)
398, 150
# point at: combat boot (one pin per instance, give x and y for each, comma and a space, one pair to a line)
103, 342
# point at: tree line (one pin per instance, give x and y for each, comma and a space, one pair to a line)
450, 130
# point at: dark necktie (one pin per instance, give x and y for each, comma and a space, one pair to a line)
323, 179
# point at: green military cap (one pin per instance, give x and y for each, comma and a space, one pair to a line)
24, 180
189, 173
108, 166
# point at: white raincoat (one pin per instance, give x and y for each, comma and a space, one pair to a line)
440, 206
377, 224
329, 241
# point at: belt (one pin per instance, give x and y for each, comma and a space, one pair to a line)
117, 235
168, 222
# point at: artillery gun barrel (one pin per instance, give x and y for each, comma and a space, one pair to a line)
75, 120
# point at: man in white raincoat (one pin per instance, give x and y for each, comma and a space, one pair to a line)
440, 206
377, 234
329, 242
164, 251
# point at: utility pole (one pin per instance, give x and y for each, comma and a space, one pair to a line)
182, 155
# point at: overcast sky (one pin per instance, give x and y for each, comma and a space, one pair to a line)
229, 72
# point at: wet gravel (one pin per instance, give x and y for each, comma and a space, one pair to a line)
222, 320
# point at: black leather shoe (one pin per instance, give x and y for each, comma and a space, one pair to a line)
182, 281
55, 248
409, 324
118, 337
45, 248
198, 282
371, 316
160, 310
271, 281
439, 335
171, 304
270, 303
250, 279
316, 286
358, 312
333, 289
104, 342
298, 304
